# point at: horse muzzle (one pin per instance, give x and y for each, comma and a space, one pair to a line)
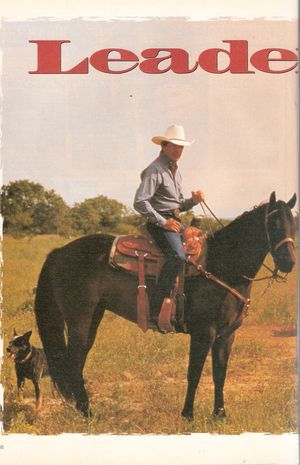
284, 255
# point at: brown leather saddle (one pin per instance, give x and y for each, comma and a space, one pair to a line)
141, 255
126, 249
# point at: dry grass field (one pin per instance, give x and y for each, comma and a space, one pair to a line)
137, 381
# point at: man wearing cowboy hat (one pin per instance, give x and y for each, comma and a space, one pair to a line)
159, 199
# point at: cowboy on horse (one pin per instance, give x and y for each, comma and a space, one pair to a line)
159, 199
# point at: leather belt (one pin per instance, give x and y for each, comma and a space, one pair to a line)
171, 214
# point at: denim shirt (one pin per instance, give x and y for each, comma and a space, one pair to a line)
159, 192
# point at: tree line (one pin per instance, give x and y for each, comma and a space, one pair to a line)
28, 208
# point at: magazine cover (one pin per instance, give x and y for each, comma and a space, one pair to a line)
150, 233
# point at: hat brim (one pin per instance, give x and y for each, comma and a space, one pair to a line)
183, 143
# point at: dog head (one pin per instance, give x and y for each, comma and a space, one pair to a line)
19, 347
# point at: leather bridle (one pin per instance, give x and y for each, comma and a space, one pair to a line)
246, 301
274, 248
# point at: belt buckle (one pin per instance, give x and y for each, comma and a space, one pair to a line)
176, 213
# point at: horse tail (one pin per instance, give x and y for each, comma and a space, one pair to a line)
51, 325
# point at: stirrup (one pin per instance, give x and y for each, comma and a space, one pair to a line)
166, 312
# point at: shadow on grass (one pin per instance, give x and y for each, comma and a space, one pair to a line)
287, 331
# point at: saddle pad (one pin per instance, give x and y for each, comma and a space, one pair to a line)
125, 250
131, 245
129, 261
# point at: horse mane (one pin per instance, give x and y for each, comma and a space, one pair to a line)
238, 224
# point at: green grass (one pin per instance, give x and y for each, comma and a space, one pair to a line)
137, 382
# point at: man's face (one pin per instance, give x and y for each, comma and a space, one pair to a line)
172, 152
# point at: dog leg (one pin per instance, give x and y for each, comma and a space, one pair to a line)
20, 395
20, 384
38, 397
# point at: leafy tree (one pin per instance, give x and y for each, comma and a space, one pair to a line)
98, 214
207, 223
130, 224
18, 200
27, 208
52, 216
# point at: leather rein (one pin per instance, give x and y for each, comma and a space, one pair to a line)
246, 301
272, 248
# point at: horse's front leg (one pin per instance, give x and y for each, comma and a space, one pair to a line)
199, 347
220, 356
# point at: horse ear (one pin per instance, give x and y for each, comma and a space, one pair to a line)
15, 333
292, 202
272, 199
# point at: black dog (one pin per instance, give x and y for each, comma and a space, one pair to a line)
30, 363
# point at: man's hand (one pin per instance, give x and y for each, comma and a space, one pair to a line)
172, 225
198, 197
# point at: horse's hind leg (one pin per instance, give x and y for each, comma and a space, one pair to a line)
96, 320
81, 335
220, 356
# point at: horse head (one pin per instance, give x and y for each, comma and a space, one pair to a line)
280, 229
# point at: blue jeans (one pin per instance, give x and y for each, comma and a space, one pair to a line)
171, 245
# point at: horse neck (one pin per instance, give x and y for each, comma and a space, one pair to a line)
240, 248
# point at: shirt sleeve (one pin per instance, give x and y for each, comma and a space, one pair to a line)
185, 204
146, 190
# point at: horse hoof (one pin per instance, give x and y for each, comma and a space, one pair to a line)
38, 404
86, 413
187, 415
84, 409
219, 413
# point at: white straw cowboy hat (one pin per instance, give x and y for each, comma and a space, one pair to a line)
174, 134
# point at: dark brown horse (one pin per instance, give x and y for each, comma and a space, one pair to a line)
77, 284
